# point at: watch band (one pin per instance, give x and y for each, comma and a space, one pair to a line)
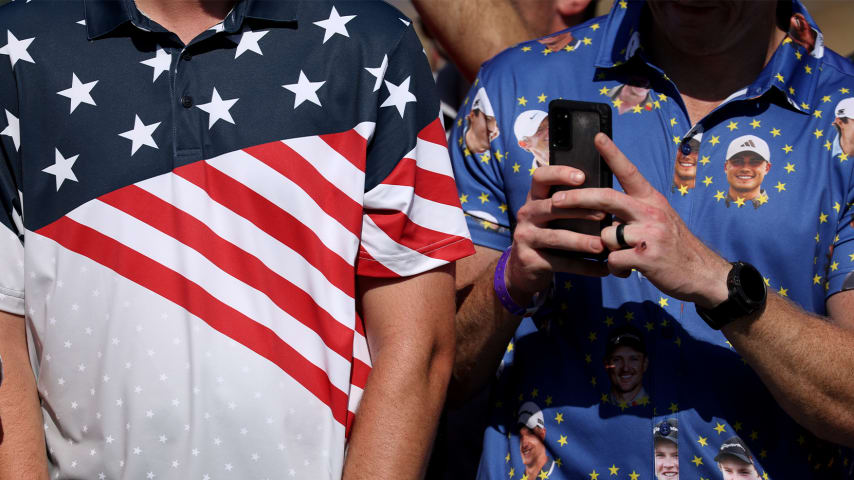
747, 295
500, 287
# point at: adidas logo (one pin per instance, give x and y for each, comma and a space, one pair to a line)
748, 143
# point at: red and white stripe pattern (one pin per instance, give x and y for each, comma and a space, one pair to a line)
412, 220
262, 244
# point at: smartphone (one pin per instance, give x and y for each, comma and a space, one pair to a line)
572, 126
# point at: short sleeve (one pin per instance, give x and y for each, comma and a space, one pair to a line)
412, 219
840, 272
11, 223
476, 156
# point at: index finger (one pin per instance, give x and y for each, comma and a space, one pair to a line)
548, 176
626, 172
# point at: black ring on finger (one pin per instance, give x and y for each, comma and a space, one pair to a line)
621, 240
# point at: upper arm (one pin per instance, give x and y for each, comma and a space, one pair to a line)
413, 314
470, 268
840, 308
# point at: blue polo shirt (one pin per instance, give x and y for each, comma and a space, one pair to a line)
183, 226
763, 178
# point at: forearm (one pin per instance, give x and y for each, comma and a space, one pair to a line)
484, 328
22, 445
458, 25
806, 363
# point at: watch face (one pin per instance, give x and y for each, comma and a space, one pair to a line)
752, 283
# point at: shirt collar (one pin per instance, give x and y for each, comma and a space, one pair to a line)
791, 70
104, 16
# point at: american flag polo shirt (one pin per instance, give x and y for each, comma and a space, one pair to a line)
183, 226
764, 179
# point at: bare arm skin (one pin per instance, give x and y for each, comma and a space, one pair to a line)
409, 325
22, 445
459, 27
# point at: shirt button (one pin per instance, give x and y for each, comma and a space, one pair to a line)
186, 57
186, 101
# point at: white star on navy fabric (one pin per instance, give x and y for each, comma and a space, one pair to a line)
249, 42
160, 63
217, 109
334, 24
399, 96
17, 49
305, 90
13, 129
61, 169
79, 92
140, 135
379, 72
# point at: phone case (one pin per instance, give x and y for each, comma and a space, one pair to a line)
572, 126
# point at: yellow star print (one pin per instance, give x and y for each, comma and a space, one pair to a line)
623, 4
562, 441
816, 279
754, 435
715, 140
763, 199
510, 347
822, 217
483, 197
549, 400
593, 475
707, 181
805, 106
559, 418
512, 470
593, 381
825, 98
674, 407
502, 207
516, 168
705, 159
702, 440
780, 186
797, 53
732, 126
617, 102
739, 201
842, 157
634, 475
484, 158
827, 145
697, 461
609, 321
543, 475
546, 51
542, 98
524, 477
592, 336
816, 113
673, 121
836, 206
719, 196
649, 326
683, 190
657, 105
587, 40
507, 459
818, 133
775, 132
464, 198
603, 91
834, 266
791, 90
522, 101
851, 257
843, 90
466, 152
613, 469
637, 109
789, 168
780, 77
662, 301
531, 170
676, 139
594, 27
630, 316
788, 148
569, 48
784, 292
662, 97
499, 155
526, 49
720, 428
535, 393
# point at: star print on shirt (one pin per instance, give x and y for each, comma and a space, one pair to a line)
217, 109
13, 129
379, 72
17, 49
160, 63
334, 24
305, 90
249, 42
399, 96
140, 135
61, 169
79, 92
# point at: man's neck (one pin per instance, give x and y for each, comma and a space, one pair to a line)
186, 18
700, 79
627, 397
533, 471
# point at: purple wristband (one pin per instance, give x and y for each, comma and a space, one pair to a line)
503, 295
